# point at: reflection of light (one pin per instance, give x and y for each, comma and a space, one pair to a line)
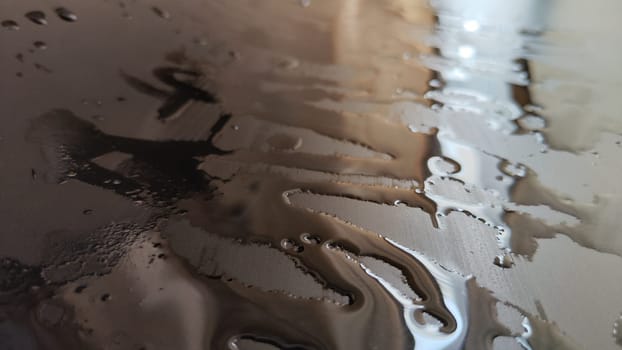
471, 26
466, 51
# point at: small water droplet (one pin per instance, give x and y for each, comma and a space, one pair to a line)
10, 25
287, 243
511, 169
284, 142
33, 174
160, 12
37, 17
87, 211
504, 261
105, 297
65, 14
235, 127
310, 239
289, 63
305, 3
72, 174
40, 45
617, 330
79, 289
440, 165
531, 122
116, 182
435, 83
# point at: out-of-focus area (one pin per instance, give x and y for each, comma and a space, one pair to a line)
310, 174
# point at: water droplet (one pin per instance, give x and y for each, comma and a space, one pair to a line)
105, 297
466, 51
310, 239
163, 14
10, 25
305, 3
531, 122
235, 127
116, 182
617, 330
435, 83
511, 169
72, 174
284, 142
79, 289
65, 14
504, 261
37, 17
471, 26
287, 243
289, 63
440, 165
40, 45
87, 211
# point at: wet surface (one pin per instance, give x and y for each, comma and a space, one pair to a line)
310, 175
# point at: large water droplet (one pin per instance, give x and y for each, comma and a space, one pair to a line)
66, 14
10, 25
37, 17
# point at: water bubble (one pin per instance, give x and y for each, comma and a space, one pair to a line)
162, 13
305, 3
531, 122
440, 165
40, 45
504, 261
65, 14
310, 239
37, 17
10, 24
511, 169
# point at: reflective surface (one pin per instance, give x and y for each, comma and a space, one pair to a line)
350, 174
